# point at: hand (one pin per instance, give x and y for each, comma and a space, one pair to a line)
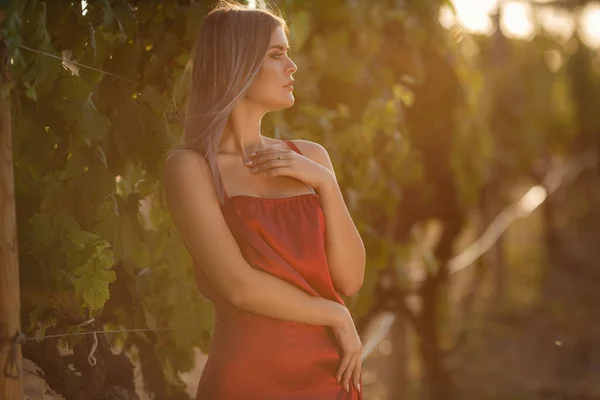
351, 358
275, 162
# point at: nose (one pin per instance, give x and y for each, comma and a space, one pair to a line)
292, 67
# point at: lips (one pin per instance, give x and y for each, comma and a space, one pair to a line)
290, 83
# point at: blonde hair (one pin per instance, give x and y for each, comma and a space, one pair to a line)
227, 56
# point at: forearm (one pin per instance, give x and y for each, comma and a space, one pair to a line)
270, 296
345, 249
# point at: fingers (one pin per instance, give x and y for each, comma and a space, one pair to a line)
344, 362
356, 373
260, 153
270, 164
268, 155
348, 374
349, 371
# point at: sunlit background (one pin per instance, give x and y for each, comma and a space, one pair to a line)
520, 19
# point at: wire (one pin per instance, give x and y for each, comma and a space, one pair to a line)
19, 338
79, 64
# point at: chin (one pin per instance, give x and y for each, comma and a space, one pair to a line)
290, 102
283, 105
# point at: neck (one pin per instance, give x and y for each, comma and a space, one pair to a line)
242, 134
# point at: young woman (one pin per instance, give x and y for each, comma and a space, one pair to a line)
265, 222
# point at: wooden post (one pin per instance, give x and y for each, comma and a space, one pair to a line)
11, 384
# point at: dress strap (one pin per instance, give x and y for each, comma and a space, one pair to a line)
292, 146
222, 184
225, 196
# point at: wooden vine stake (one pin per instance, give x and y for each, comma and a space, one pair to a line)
11, 377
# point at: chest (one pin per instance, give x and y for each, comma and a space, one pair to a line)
239, 180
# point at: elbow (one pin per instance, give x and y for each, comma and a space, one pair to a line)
351, 288
238, 294
352, 282
239, 288
353, 285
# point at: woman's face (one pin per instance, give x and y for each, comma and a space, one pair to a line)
272, 86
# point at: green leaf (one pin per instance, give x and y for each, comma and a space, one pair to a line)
78, 161
152, 96
54, 193
42, 229
93, 278
93, 125
124, 13
70, 98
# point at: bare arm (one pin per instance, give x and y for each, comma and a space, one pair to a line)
194, 207
345, 249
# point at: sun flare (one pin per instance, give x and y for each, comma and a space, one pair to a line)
518, 19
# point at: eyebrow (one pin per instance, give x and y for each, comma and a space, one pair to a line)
279, 47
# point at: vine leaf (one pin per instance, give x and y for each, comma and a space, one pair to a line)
94, 125
93, 277
152, 96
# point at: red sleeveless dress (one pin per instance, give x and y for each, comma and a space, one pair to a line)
257, 357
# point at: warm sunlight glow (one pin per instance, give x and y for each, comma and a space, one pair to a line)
446, 17
473, 15
557, 22
532, 199
251, 3
84, 7
516, 20
590, 26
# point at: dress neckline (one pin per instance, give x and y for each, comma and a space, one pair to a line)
293, 147
287, 198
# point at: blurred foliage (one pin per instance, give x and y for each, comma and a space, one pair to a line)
416, 119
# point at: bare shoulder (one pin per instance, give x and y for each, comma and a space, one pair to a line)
312, 150
184, 157
183, 163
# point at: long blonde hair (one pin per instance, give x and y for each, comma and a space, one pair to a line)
227, 56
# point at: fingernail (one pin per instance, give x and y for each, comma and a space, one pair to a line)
347, 390
337, 379
358, 387
249, 162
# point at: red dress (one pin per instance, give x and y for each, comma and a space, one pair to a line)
257, 357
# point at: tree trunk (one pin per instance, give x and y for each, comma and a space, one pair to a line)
492, 204
399, 360
552, 241
438, 382
11, 386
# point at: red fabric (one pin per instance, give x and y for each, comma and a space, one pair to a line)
257, 357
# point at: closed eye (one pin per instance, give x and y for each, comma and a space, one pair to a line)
283, 50
278, 55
